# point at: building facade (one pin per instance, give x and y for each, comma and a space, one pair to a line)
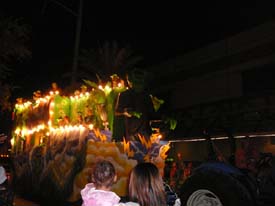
226, 89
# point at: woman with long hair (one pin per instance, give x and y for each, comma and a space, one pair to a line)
146, 186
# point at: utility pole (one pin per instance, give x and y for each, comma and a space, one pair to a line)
77, 41
77, 33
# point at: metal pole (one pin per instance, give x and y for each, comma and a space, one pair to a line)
77, 41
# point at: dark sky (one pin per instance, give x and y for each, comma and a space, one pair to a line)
156, 31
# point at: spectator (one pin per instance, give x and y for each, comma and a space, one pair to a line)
187, 170
173, 175
146, 186
6, 194
98, 193
3, 176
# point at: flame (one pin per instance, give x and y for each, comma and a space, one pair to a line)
155, 137
144, 142
99, 135
163, 150
127, 150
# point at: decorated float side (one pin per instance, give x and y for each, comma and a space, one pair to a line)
57, 139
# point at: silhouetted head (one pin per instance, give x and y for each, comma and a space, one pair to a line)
146, 185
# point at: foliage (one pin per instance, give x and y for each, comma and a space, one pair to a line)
139, 79
14, 38
107, 60
104, 101
172, 123
156, 102
5, 95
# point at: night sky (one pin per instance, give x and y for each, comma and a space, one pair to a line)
155, 31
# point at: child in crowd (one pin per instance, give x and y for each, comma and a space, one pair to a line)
98, 193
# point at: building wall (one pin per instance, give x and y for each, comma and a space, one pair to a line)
198, 151
200, 83
215, 72
207, 88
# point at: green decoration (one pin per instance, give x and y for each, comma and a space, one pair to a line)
156, 102
173, 124
136, 114
61, 109
90, 83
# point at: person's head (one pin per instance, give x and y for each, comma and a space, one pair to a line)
190, 165
103, 175
146, 185
174, 165
3, 176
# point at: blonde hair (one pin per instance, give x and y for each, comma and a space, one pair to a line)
146, 185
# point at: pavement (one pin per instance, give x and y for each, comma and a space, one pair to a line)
19, 201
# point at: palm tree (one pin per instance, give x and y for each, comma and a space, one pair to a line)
107, 60
14, 39
111, 59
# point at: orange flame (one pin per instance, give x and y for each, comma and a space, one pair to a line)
99, 135
163, 150
143, 141
155, 137
127, 150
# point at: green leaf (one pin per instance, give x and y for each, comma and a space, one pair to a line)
172, 123
90, 83
156, 102
136, 114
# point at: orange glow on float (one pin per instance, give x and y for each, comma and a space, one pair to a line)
144, 142
99, 135
67, 114
163, 151
84, 123
126, 147
91, 126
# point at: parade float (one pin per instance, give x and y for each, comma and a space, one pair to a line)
57, 138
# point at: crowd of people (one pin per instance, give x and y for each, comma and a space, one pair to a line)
178, 173
146, 187
146, 184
